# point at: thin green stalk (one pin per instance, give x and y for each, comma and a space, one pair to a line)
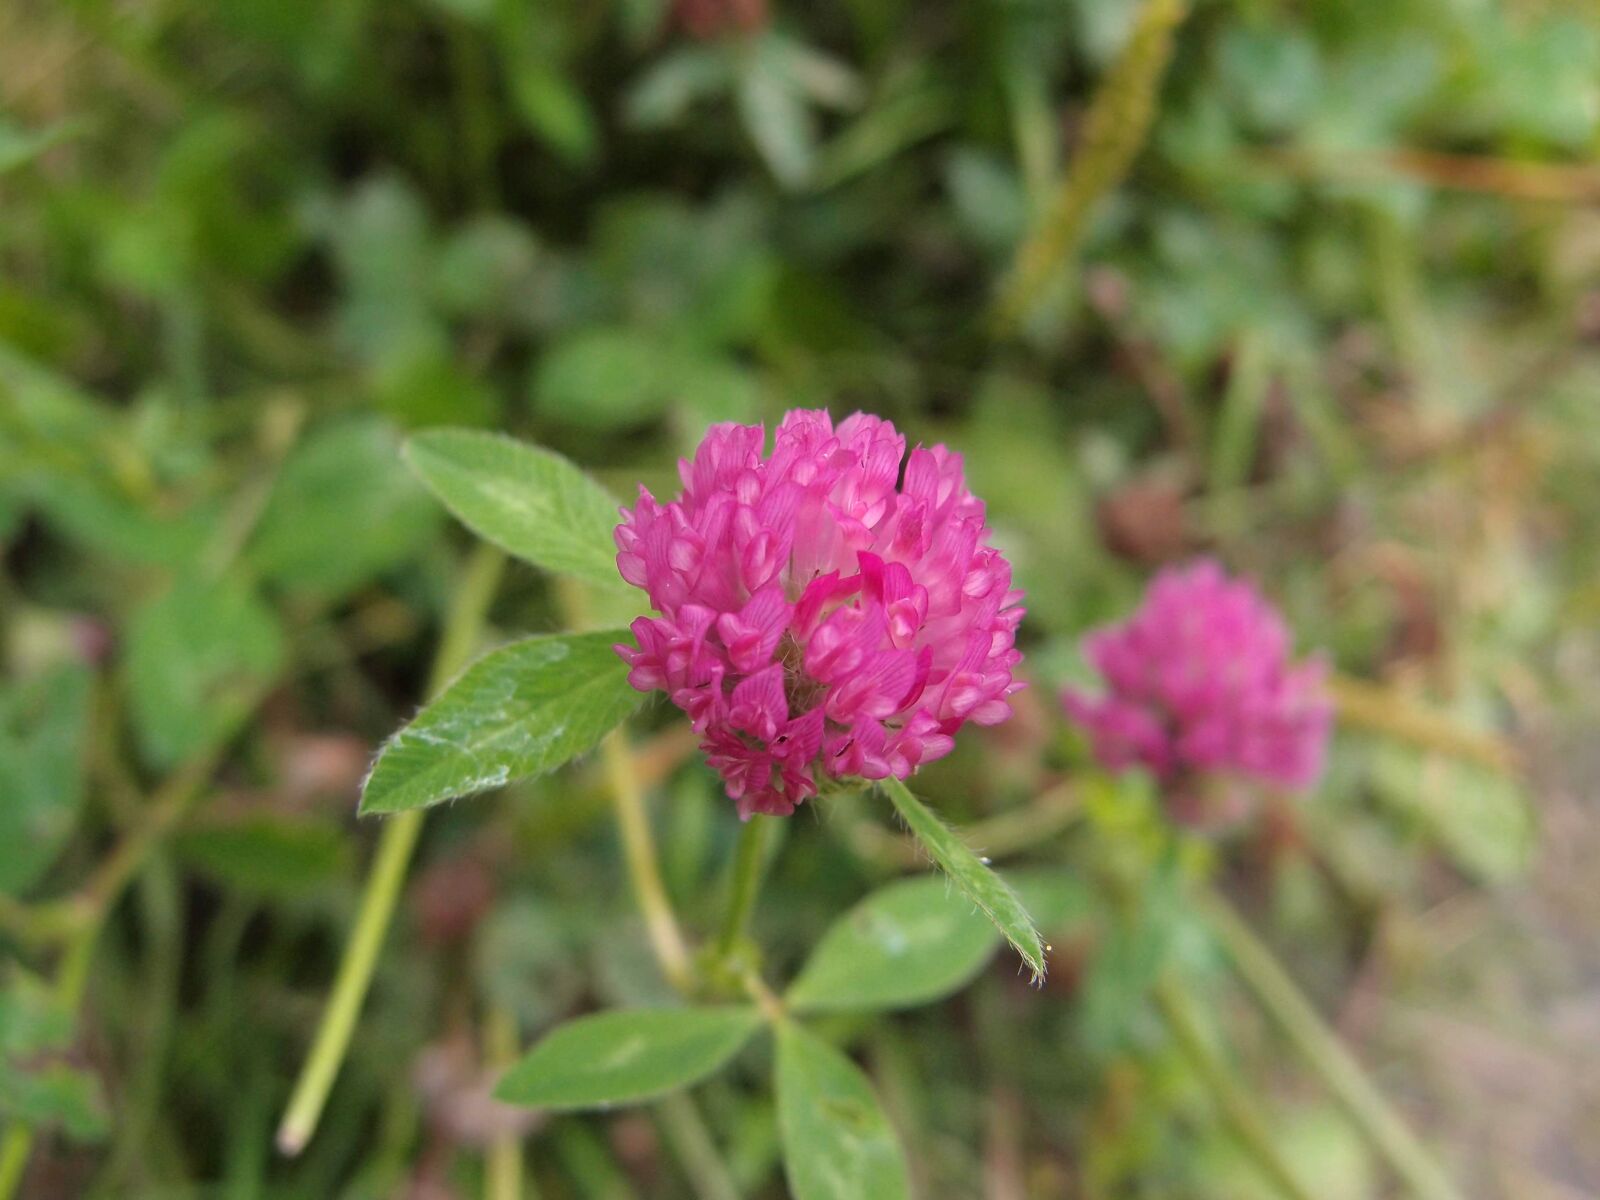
1401, 300
78, 920
584, 1156
166, 809
162, 921
1238, 429
639, 852
1322, 1050
74, 920
767, 1000
1034, 124
395, 845
72, 977
39, 925
463, 628
1177, 1009
633, 826
691, 1144
1115, 128
469, 612
1370, 706
14, 1153
1244, 1119
503, 1174
279, 427
749, 860
475, 114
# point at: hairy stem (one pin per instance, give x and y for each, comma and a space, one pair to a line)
464, 623
1115, 128
1322, 1050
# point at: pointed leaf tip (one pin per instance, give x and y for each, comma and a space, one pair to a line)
977, 880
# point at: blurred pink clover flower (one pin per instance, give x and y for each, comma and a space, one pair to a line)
1199, 689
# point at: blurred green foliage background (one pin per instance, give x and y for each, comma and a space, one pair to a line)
1339, 325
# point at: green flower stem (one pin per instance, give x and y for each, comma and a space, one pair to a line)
395, 845
686, 1133
749, 859
166, 809
639, 851
279, 426
1321, 1048
681, 1122
1240, 1112
623, 782
1177, 1008
503, 1174
468, 613
464, 623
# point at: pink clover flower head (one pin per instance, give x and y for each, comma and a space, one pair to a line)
830, 610
1200, 690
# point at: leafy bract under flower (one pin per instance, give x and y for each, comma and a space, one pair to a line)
1200, 690
830, 609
